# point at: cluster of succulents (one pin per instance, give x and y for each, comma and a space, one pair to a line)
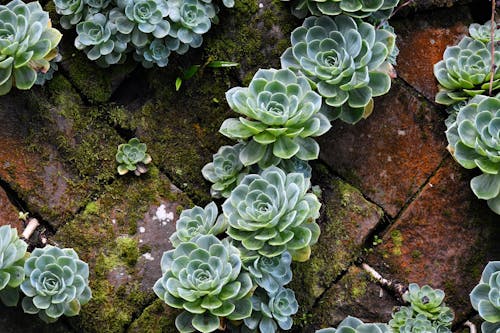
354, 325
27, 44
474, 141
482, 32
485, 297
151, 29
54, 281
346, 60
374, 11
426, 313
132, 156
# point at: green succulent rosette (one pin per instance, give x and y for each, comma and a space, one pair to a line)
272, 212
12, 255
56, 283
419, 324
269, 273
132, 156
465, 71
198, 221
400, 317
482, 32
155, 53
72, 11
474, 141
27, 44
346, 60
225, 170
428, 302
354, 325
190, 20
204, 277
485, 297
280, 115
374, 11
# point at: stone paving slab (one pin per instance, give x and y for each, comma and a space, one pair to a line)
391, 154
444, 238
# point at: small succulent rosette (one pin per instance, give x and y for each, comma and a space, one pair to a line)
27, 44
354, 325
482, 32
132, 156
56, 283
12, 256
485, 297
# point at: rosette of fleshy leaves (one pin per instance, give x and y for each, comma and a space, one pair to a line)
12, 255
225, 170
354, 325
419, 324
346, 60
27, 44
408, 320
43, 77
474, 141
428, 302
190, 20
465, 71
132, 156
72, 11
272, 212
482, 32
269, 273
56, 283
100, 39
141, 19
271, 311
205, 278
374, 11
280, 117
198, 221
485, 297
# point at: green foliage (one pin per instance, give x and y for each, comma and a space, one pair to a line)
464, 71
56, 283
474, 141
27, 44
485, 297
272, 212
354, 325
482, 32
204, 278
198, 221
374, 11
12, 255
280, 115
132, 156
347, 60
270, 274
225, 170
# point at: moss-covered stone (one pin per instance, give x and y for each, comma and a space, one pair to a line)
156, 318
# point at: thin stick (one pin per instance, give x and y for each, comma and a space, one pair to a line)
396, 287
492, 34
471, 326
30, 228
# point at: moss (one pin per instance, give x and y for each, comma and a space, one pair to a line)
397, 241
128, 250
91, 208
156, 318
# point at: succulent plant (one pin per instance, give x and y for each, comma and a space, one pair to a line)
27, 44
270, 273
419, 324
100, 40
354, 325
132, 156
296, 165
272, 212
198, 221
225, 170
12, 255
482, 32
43, 77
374, 10
346, 60
271, 310
428, 302
56, 283
204, 278
190, 19
400, 317
474, 141
280, 114
465, 71
155, 53
142, 18
485, 297
72, 12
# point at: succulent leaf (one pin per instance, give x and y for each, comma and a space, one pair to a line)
12, 255
354, 325
132, 156
485, 297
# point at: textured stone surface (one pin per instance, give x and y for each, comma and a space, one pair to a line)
422, 44
389, 155
9, 213
443, 239
347, 219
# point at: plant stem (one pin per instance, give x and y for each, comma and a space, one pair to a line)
492, 41
398, 288
471, 326
30, 228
